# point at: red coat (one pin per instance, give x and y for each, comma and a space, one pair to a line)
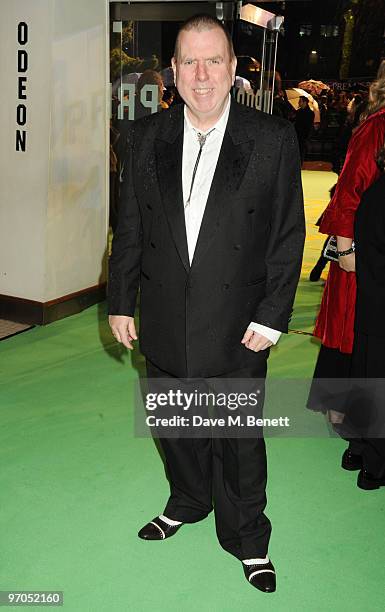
334, 325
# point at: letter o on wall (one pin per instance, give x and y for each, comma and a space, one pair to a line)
22, 33
21, 115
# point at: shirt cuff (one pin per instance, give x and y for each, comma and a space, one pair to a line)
271, 334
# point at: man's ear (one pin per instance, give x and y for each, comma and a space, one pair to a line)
234, 68
173, 66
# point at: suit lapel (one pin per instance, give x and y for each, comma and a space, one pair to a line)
169, 153
232, 163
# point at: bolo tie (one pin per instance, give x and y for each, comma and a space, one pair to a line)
202, 140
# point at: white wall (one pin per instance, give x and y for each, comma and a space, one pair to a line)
53, 197
24, 176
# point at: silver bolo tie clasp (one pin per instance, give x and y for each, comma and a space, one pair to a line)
202, 140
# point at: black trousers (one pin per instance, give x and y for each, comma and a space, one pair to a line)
227, 474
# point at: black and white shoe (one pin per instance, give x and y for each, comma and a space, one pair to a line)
158, 530
261, 576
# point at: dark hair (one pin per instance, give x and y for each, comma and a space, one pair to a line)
376, 94
376, 103
304, 99
200, 23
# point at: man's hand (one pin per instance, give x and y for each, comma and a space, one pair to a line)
123, 329
348, 262
255, 341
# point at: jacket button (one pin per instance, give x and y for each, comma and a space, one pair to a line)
225, 286
149, 206
251, 211
153, 245
237, 247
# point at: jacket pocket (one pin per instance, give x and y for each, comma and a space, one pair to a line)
252, 283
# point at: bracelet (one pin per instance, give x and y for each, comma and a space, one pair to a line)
347, 252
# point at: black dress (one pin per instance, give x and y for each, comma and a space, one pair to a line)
367, 412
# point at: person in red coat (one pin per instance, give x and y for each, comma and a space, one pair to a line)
335, 321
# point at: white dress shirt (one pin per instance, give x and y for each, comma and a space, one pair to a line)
195, 207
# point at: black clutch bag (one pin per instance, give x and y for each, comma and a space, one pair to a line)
330, 250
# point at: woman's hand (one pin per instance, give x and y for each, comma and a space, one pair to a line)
346, 262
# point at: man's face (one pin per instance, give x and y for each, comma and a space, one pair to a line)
204, 73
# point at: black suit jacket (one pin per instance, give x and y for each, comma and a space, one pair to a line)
248, 254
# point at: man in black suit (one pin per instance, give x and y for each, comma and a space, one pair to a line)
211, 229
303, 124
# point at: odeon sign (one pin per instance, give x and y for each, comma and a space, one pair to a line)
22, 69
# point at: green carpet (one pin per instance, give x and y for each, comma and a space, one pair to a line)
76, 485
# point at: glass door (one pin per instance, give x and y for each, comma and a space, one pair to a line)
256, 40
142, 36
